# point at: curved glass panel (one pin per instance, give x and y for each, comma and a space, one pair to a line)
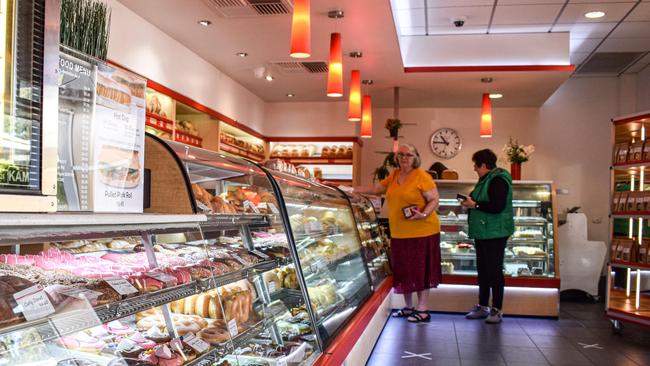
329, 251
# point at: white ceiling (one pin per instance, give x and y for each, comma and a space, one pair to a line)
368, 26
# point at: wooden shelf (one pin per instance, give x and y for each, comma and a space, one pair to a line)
624, 305
237, 150
315, 160
158, 124
631, 165
618, 263
162, 123
631, 214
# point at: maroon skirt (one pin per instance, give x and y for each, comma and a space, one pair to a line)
416, 263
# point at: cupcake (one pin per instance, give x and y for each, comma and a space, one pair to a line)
161, 355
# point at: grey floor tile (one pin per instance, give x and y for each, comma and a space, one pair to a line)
481, 363
522, 354
405, 359
447, 349
557, 356
545, 341
545, 363
607, 356
573, 333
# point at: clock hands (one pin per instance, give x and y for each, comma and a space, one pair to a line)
441, 142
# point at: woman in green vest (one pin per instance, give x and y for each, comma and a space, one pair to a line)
491, 222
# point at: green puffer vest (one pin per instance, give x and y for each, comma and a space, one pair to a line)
483, 225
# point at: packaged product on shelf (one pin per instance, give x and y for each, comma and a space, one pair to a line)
636, 152
622, 203
631, 202
642, 257
646, 201
622, 154
615, 201
625, 250
614, 248
639, 201
646, 152
615, 152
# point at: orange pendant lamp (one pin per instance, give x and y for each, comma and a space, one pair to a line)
300, 30
354, 104
335, 73
486, 117
366, 119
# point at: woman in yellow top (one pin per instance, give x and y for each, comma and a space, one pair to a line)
412, 200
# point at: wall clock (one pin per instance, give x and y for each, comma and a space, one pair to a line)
446, 143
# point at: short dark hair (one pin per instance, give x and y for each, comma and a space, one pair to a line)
485, 156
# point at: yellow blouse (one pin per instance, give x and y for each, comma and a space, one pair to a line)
410, 192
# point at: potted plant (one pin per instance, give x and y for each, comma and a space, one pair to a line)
393, 125
390, 160
517, 154
380, 173
85, 26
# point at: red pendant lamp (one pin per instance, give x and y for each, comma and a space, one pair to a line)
366, 119
300, 30
486, 117
335, 72
354, 104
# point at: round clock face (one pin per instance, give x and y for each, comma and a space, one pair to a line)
446, 143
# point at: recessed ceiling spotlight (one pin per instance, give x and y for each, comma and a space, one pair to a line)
290, 95
496, 96
204, 22
242, 54
269, 78
595, 14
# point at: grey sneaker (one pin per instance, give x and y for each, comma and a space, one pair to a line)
495, 317
478, 312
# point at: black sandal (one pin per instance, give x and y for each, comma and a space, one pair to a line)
402, 313
418, 317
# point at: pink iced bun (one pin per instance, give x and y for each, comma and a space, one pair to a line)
115, 327
17, 259
182, 275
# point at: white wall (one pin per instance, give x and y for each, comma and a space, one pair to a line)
145, 49
308, 119
643, 90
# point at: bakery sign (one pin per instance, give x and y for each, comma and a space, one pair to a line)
101, 136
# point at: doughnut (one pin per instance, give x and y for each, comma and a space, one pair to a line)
190, 305
215, 308
214, 334
177, 306
184, 326
202, 306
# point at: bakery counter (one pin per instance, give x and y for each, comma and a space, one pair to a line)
234, 221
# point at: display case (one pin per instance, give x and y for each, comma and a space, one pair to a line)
530, 252
326, 241
627, 275
374, 241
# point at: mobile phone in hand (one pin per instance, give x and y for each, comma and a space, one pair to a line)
461, 197
409, 211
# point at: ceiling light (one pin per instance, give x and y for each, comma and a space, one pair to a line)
301, 29
496, 96
486, 118
204, 22
242, 54
335, 69
290, 95
366, 119
269, 78
595, 14
354, 102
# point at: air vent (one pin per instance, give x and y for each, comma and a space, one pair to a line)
608, 62
249, 8
298, 67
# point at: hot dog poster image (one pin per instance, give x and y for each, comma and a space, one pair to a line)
118, 141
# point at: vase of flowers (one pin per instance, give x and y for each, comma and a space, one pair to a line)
393, 125
517, 154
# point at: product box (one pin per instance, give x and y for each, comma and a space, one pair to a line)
639, 204
630, 206
622, 203
621, 155
617, 147
626, 250
646, 201
636, 152
615, 201
643, 251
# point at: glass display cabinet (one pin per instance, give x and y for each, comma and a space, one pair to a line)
328, 250
374, 242
530, 251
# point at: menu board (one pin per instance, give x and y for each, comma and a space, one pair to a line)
101, 137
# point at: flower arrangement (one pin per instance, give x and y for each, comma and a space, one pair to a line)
393, 125
517, 153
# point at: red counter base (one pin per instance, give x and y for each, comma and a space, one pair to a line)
338, 351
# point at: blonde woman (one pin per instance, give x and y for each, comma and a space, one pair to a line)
412, 199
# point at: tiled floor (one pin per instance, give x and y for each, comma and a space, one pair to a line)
581, 336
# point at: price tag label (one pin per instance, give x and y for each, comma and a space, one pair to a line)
260, 254
195, 343
281, 361
232, 327
34, 303
272, 287
168, 280
122, 286
273, 207
248, 204
81, 293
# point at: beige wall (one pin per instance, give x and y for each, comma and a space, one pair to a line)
145, 49
308, 119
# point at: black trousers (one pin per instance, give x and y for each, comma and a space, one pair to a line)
489, 263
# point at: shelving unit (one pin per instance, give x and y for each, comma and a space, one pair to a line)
627, 297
